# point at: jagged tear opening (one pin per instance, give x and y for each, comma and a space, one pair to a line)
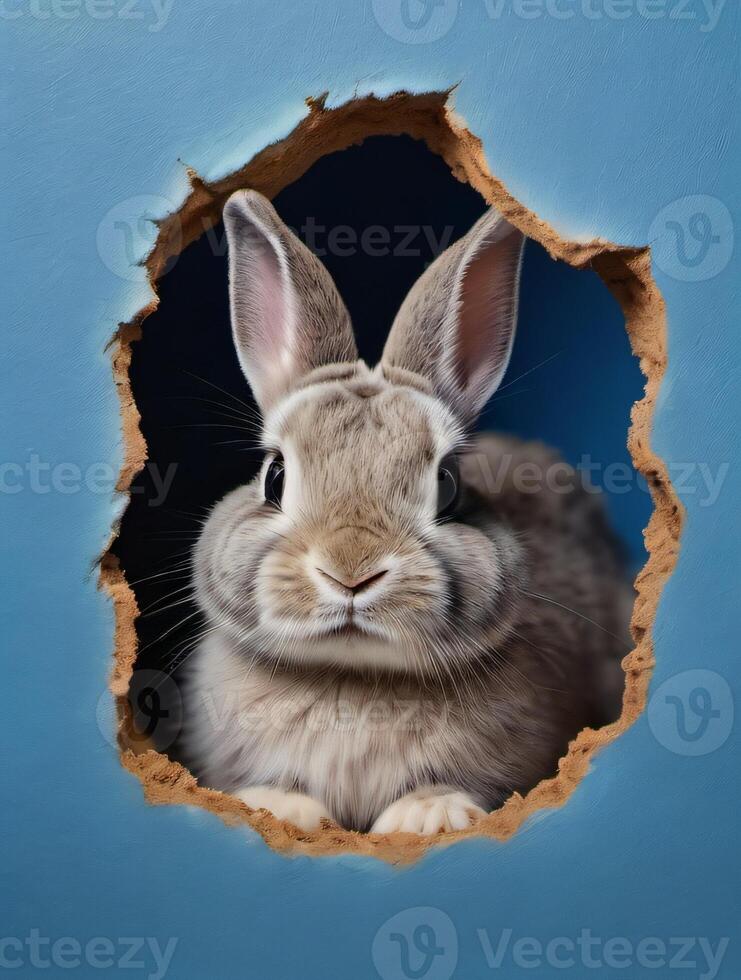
625, 271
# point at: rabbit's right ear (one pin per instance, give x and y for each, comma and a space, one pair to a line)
287, 316
457, 325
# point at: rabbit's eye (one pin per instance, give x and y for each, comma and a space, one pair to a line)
448, 482
274, 480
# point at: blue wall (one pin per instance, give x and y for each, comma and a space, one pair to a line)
598, 122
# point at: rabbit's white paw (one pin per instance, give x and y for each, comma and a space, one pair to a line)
297, 808
428, 811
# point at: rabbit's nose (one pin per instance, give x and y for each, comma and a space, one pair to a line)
353, 586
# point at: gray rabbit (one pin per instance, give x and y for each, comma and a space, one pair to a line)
400, 632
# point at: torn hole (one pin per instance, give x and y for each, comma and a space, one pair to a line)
626, 273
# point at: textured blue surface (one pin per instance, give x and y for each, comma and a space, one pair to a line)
595, 122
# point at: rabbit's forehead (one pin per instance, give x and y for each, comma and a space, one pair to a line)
361, 417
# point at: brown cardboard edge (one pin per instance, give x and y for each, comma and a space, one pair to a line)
625, 271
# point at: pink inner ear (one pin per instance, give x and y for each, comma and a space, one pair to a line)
486, 312
269, 310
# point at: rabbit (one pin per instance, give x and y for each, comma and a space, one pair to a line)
399, 635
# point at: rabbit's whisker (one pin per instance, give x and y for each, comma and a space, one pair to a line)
166, 596
561, 605
170, 605
524, 374
228, 394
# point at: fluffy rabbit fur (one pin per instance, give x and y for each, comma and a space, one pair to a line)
368, 660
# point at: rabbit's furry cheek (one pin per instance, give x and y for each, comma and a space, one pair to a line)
227, 558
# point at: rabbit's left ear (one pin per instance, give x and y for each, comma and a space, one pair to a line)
457, 324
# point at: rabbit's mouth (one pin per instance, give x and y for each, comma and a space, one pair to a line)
347, 631
352, 627
351, 636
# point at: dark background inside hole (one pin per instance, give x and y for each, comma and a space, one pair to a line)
571, 381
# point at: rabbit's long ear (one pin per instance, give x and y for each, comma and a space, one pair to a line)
287, 316
457, 324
